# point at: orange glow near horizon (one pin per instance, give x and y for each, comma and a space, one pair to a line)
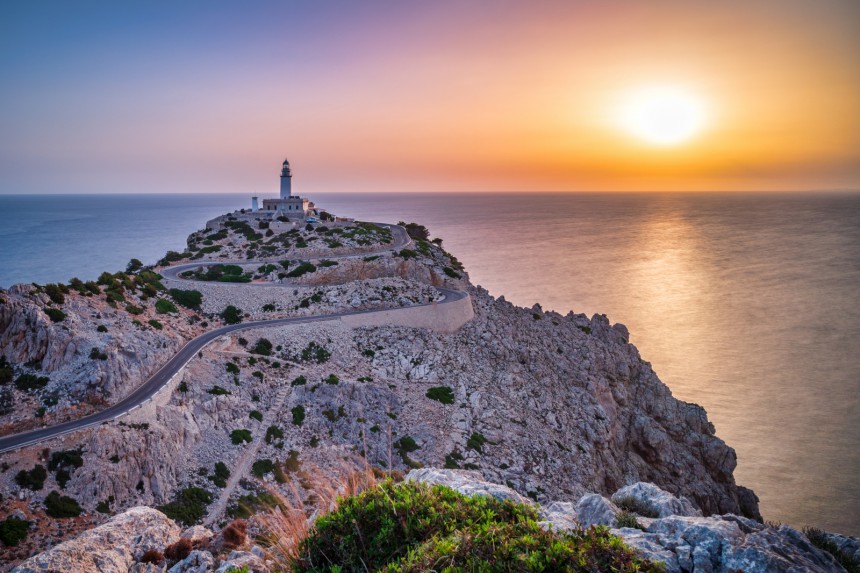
453, 97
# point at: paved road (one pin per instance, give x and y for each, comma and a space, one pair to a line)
158, 380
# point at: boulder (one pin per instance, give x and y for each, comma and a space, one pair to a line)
725, 544
594, 509
112, 547
196, 562
466, 482
240, 559
663, 502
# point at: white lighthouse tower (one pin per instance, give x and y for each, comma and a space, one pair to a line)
286, 181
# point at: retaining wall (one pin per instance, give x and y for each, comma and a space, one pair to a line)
447, 317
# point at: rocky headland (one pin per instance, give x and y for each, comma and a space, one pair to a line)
555, 411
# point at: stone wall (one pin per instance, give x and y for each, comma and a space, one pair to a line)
446, 317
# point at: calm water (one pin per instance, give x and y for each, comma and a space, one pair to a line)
746, 304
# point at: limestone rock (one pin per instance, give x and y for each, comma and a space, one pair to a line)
594, 509
560, 515
240, 559
466, 482
728, 543
112, 547
197, 535
196, 562
664, 502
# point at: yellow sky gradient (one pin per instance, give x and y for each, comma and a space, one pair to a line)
502, 96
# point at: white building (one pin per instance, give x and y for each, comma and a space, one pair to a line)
288, 205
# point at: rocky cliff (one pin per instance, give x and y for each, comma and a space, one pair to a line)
553, 406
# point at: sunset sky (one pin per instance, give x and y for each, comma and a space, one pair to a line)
425, 96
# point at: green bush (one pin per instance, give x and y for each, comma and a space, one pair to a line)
164, 306
55, 314
256, 415
102, 328
313, 352
218, 391
299, 381
442, 394
221, 475
33, 479
262, 467
642, 507
6, 371
188, 298
57, 505
27, 382
298, 415
451, 273
302, 269
135, 310
332, 379
13, 531
189, 506
232, 367
819, 539
240, 436
274, 433
627, 519
96, 354
155, 324
232, 315
416, 527
476, 442
262, 346
66, 458
408, 254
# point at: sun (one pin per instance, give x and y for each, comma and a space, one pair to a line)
663, 116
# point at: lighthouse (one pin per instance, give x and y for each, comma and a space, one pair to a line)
286, 181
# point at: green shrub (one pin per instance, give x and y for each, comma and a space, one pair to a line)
13, 531
33, 479
329, 263
452, 461
262, 346
103, 507
635, 505
332, 379
218, 391
268, 307
189, 506
256, 415
102, 328
164, 306
476, 442
27, 382
274, 433
408, 254
451, 273
820, 540
135, 310
96, 354
188, 298
66, 458
57, 505
442, 394
155, 324
240, 436
298, 415
302, 269
232, 367
232, 315
627, 519
299, 381
55, 314
313, 352
262, 467
221, 475
416, 527
6, 371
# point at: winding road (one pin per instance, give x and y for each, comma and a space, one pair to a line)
160, 379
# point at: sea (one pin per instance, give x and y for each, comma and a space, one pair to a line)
745, 303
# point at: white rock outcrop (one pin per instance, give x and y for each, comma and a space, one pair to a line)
112, 547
